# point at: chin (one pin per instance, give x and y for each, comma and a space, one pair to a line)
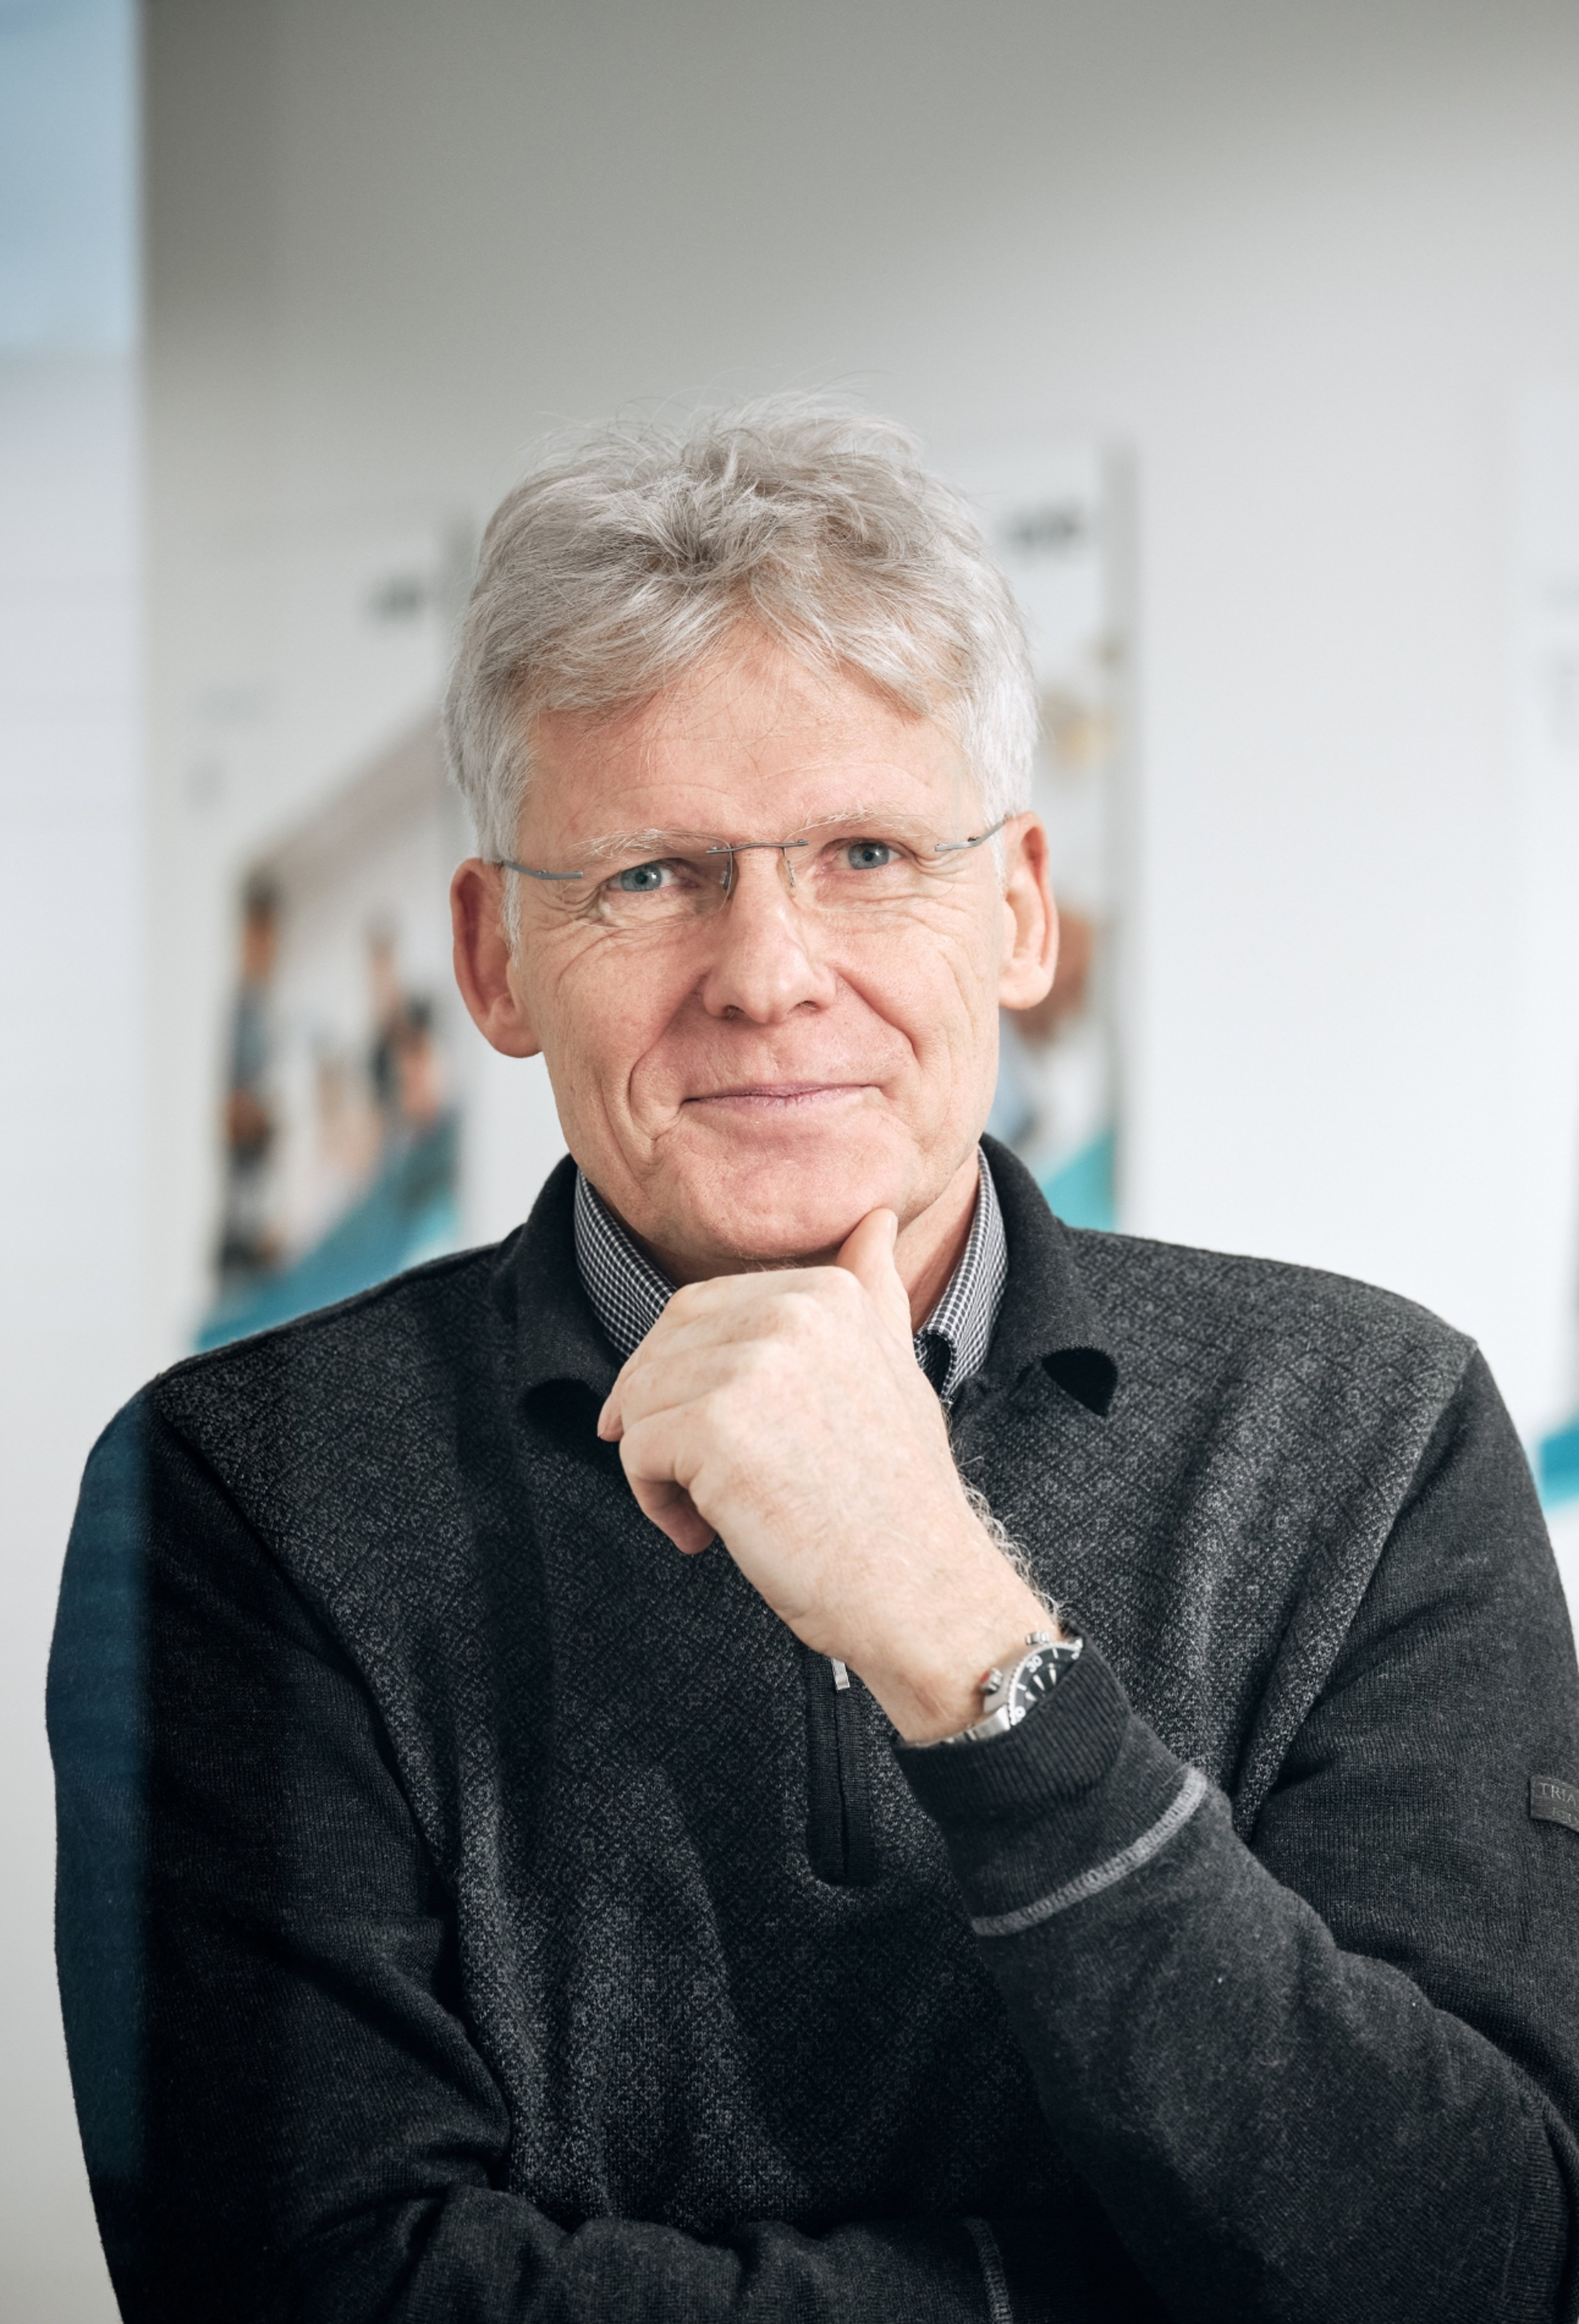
787, 1207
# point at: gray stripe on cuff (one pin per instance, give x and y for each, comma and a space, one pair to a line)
1190, 1794
999, 2307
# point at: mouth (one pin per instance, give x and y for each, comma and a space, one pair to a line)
779, 1097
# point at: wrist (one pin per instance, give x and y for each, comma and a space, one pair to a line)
933, 1689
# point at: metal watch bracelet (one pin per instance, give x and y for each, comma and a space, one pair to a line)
1004, 1693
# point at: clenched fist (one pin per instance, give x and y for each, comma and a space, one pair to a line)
786, 1412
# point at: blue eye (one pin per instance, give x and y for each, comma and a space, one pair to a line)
639, 880
869, 854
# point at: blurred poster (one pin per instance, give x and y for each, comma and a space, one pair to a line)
340, 1124
1056, 517
1545, 641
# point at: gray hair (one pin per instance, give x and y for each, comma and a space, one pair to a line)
629, 555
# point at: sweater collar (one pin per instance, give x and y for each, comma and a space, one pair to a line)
1046, 1317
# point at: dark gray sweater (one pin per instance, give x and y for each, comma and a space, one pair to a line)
470, 1910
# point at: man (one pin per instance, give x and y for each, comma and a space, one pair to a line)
798, 1740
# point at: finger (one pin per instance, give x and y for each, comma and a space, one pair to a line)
737, 1298
688, 1350
660, 1380
867, 1254
611, 1420
672, 1510
648, 1454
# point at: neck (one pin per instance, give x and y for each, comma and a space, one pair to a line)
930, 1246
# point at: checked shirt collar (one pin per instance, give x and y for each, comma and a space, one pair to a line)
629, 1294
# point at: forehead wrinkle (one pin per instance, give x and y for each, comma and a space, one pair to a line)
652, 842
863, 811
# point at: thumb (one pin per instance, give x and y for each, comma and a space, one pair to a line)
868, 1255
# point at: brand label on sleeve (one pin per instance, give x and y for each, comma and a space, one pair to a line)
1552, 1801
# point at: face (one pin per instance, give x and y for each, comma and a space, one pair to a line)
743, 1083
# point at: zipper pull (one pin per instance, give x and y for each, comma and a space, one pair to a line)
841, 1677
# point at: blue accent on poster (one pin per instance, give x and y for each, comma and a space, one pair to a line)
410, 1213
1556, 1466
1082, 1190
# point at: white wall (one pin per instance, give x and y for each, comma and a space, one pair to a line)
70, 874
70, 1068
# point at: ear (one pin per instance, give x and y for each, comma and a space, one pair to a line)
484, 970
1030, 918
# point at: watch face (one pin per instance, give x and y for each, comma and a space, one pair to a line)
1036, 1677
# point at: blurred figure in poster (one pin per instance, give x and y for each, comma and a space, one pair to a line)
348, 1138
249, 1242
404, 1072
419, 1072
388, 1008
358, 1177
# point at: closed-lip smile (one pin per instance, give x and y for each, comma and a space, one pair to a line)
778, 1093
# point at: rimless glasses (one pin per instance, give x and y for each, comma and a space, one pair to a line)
648, 879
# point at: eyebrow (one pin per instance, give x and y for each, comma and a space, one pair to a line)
654, 842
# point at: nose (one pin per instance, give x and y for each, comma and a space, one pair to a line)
762, 961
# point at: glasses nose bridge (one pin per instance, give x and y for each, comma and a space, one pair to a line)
730, 849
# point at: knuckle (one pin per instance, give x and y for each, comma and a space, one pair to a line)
728, 1416
638, 1437
839, 1289
718, 1412
794, 1312
828, 1290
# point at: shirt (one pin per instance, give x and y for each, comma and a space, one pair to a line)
629, 1293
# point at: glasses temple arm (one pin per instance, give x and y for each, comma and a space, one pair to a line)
957, 846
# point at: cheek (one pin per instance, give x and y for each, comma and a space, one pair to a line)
599, 1013
943, 976
939, 992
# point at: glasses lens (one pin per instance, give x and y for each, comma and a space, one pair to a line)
857, 876
665, 888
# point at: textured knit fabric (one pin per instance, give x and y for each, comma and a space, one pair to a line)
629, 1293
439, 1936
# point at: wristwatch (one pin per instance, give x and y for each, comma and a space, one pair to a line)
1008, 1695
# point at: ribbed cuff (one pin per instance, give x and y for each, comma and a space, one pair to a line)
1065, 1745
1029, 1815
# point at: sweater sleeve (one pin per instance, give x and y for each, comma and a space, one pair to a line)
284, 2113
1334, 2072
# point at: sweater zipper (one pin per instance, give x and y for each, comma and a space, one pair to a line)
839, 1838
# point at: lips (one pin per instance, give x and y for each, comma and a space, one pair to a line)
778, 1095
